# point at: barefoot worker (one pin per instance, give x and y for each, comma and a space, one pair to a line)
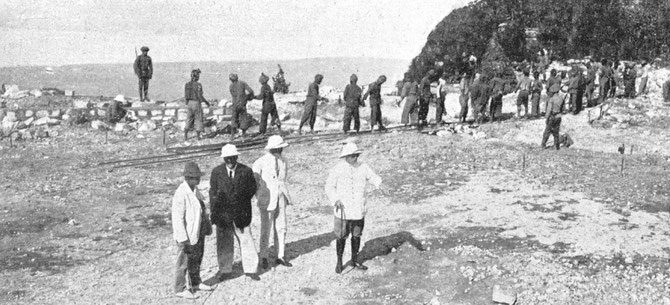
273, 197
553, 117
313, 97
345, 188
193, 97
232, 185
189, 227
269, 108
374, 91
241, 93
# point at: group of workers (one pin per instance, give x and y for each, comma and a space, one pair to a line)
478, 91
233, 185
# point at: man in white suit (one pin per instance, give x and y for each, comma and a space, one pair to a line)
272, 197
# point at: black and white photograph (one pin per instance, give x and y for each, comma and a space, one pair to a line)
366, 152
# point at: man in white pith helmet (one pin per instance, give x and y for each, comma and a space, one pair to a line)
345, 188
273, 197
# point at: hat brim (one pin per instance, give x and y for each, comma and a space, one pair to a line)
193, 174
230, 155
280, 145
357, 152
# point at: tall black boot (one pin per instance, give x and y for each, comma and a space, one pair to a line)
355, 244
340, 249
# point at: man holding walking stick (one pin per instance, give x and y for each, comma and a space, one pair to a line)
345, 188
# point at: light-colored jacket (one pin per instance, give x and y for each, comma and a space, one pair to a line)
186, 214
347, 183
270, 185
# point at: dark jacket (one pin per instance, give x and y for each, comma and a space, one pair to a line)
241, 93
143, 66
231, 199
352, 96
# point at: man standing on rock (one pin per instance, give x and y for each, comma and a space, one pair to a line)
536, 90
524, 92
442, 89
241, 93
553, 115
352, 100
345, 188
424, 99
478, 96
193, 97
232, 185
269, 107
144, 69
409, 94
273, 197
189, 228
313, 97
497, 86
606, 75
374, 91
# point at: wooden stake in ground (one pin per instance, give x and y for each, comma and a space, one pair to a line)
622, 163
523, 166
163, 136
631, 149
106, 135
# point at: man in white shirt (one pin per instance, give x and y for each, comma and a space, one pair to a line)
189, 227
272, 197
345, 188
441, 95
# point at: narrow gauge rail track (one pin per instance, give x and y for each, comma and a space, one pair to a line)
178, 154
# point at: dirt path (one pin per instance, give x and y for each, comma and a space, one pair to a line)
463, 216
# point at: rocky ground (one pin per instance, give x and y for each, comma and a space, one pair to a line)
470, 213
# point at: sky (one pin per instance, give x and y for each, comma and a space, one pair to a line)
48, 32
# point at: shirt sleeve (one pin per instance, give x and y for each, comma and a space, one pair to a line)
372, 177
331, 186
178, 217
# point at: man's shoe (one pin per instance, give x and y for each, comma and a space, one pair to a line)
264, 263
187, 295
284, 263
253, 276
359, 266
338, 267
205, 287
224, 276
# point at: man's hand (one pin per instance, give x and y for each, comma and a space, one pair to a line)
184, 245
338, 205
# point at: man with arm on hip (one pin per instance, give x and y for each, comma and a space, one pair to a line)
272, 197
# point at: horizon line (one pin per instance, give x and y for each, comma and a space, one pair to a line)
210, 61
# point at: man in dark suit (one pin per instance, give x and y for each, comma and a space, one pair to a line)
232, 185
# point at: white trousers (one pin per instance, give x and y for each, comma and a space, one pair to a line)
273, 223
225, 249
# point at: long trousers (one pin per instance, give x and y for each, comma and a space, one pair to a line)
553, 128
269, 109
351, 113
188, 264
273, 223
409, 110
225, 248
376, 115
309, 114
144, 88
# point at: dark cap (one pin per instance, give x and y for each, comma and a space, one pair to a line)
191, 169
144, 49
195, 72
232, 77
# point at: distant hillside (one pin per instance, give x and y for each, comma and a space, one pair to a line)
169, 78
615, 29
